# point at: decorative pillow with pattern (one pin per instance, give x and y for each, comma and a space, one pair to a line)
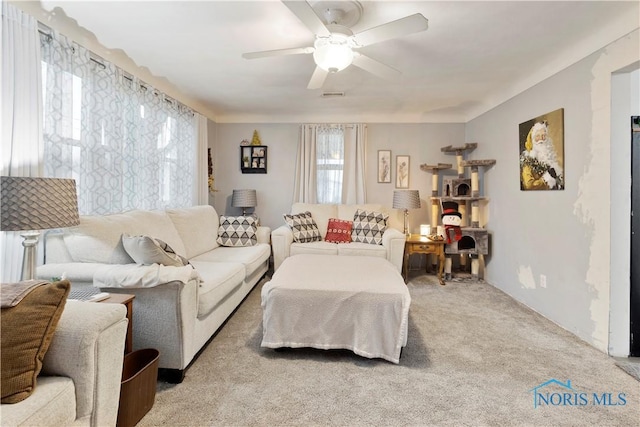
238, 231
304, 227
28, 327
338, 231
369, 226
147, 250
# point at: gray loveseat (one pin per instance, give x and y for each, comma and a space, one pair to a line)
176, 310
80, 379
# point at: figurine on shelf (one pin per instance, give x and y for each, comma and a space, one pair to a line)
244, 142
451, 220
256, 139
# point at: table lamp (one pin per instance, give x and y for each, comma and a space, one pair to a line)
244, 199
31, 204
406, 199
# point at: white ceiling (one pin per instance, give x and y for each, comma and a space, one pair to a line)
475, 54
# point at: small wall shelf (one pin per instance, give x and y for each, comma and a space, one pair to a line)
253, 158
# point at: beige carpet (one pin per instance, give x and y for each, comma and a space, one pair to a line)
472, 358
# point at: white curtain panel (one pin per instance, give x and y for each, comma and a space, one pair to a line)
21, 97
127, 145
305, 188
354, 175
330, 165
201, 183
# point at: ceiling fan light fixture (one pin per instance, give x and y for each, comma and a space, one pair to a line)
332, 54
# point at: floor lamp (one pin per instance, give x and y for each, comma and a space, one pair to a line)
31, 204
406, 199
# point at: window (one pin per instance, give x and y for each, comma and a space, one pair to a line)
330, 164
127, 145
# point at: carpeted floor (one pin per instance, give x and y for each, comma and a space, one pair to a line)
473, 357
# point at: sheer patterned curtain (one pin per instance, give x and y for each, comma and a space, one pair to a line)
21, 123
330, 165
125, 143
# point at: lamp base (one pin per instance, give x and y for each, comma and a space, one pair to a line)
406, 222
30, 244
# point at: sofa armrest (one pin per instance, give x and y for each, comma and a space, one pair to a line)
264, 234
164, 318
394, 240
88, 347
281, 240
78, 273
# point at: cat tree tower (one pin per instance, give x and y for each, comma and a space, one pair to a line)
466, 192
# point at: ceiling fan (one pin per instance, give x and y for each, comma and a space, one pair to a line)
336, 46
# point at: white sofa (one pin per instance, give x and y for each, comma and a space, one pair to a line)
79, 383
173, 311
393, 240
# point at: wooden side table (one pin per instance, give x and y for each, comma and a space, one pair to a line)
417, 244
127, 300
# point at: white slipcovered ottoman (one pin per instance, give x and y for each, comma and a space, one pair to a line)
358, 303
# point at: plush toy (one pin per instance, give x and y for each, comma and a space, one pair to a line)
451, 220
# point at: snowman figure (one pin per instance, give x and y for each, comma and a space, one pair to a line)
451, 220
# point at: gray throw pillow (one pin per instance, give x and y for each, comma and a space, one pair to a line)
147, 250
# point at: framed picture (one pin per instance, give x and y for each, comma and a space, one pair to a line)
384, 166
402, 171
542, 152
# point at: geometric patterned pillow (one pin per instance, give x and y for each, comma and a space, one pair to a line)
304, 227
369, 226
238, 231
338, 231
146, 250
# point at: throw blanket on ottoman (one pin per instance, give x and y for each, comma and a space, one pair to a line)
358, 303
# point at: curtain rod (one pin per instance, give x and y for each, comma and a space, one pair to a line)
46, 31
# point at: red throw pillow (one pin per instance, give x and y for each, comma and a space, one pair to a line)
339, 231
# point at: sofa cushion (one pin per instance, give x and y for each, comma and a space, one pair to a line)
303, 226
362, 249
27, 330
147, 250
321, 213
338, 231
237, 231
220, 279
369, 226
252, 257
198, 228
53, 403
98, 238
317, 248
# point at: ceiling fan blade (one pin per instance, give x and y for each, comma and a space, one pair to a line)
401, 27
317, 79
308, 17
277, 52
374, 67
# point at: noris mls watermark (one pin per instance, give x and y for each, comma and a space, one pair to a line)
557, 393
